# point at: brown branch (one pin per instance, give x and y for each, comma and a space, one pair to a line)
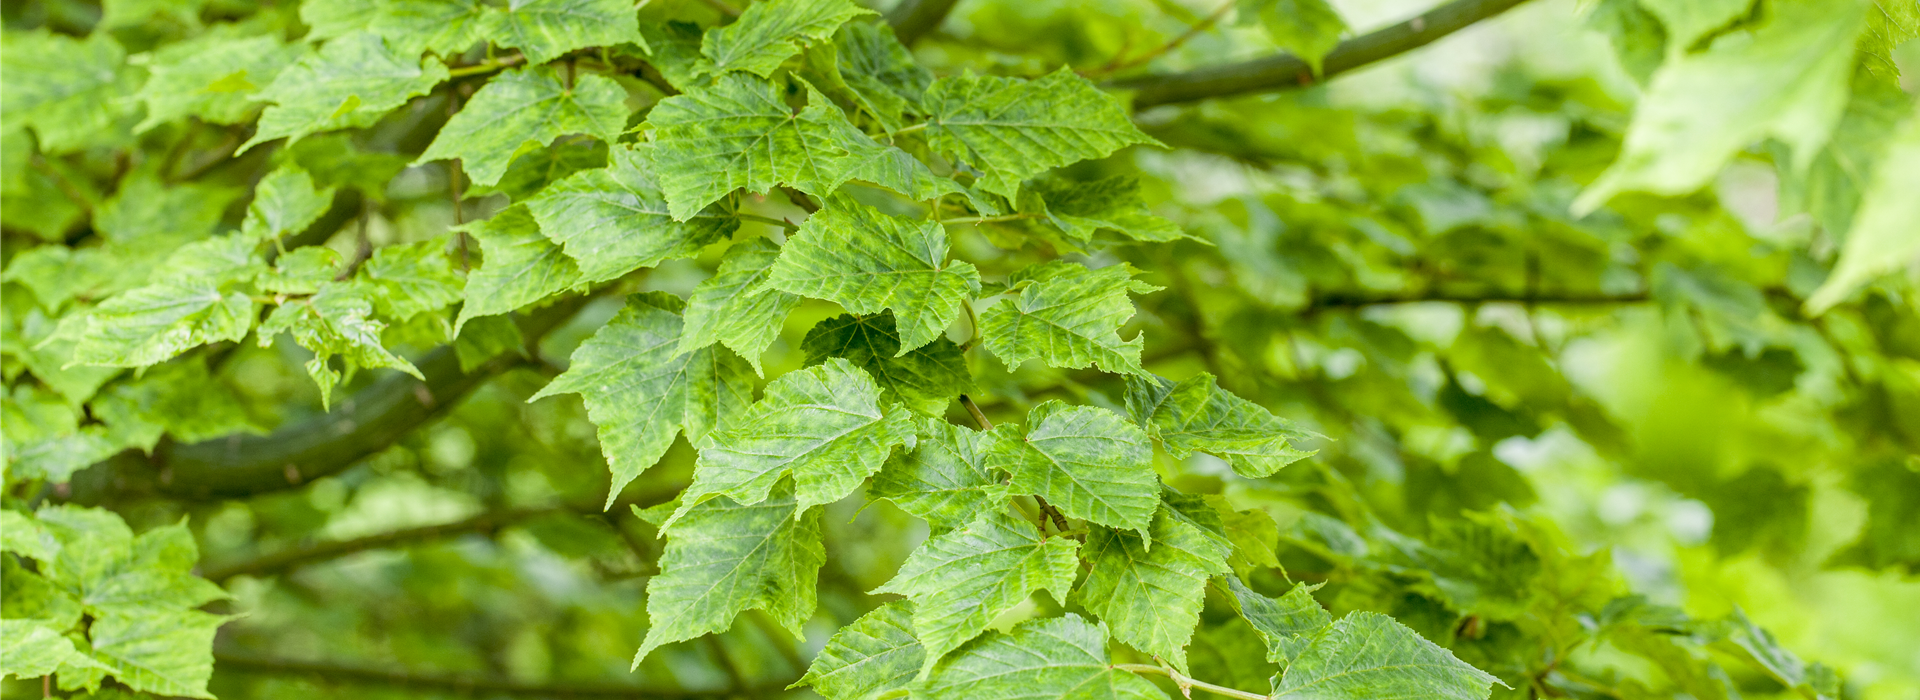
249, 663
1287, 71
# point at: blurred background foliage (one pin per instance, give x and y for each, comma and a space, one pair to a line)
1638, 420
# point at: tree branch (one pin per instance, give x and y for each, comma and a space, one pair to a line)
912, 19
1288, 71
1358, 300
465, 685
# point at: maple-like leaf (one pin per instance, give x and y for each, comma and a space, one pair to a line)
739, 132
1305, 28
521, 266
351, 82
285, 202
1087, 461
1062, 658
876, 654
864, 260
1287, 625
824, 425
212, 77
336, 321
1066, 316
70, 91
614, 220
1014, 129
766, 34
640, 390
926, 379
1081, 209
526, 106
545, 29
1369, 655
1151, 598
1195, 414
943, 479
734, 307
151, 324
960, 581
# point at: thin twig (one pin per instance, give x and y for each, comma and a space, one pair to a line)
1206, 23
988, 219
488, 66
782, 223
1185, 682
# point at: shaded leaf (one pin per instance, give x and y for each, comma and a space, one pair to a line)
735, 308
1151, 598
926, 378
526, 108
614, 220
1883, 236
1305, 28
351, 82
1288, 625
211, 77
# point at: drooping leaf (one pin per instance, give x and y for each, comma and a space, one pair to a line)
162, 653
212, 77
1062, 658
960, 581
943, 479
1066, 316
1197, 415
1151, 598
881, 73
1788, 82
724, 558
925, 379
69, 91
351, 82
865, 261
1081, 209
876, 654
734, 307
739, 132
150, 325
1883, 235
764, 36
545, 29
406, 280
640, 391
526, 108
614, 220
30, 649
336, 321
1305, 28
1288, 625
1087, 461
1369, 655
1014, 129
824, 425
521, 266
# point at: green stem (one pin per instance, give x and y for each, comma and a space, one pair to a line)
1184, 682
782, 223
990, 219
488, 66
907, 129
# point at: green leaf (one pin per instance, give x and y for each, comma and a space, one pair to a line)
724, 558
1014, 129
46, 349
486, 338
109, 570
445, 27
302, 271
1080, 209
545, 29
285, 203
1197, 415
1788, 82
873, 656
735, 308
1882, 238
30, 649
44, 438
327, 19
1369, 655
69, 91
526, 109
854, 255
824, 425
150, 325
673, 47
894, 169
766, 34
147, 211
1087, 461
960, 581
943, 479
520, 268
1288, 625
1066, 316
211, 77
925, 379
333, 160
881, 73
1062, 658
1689, 20
739, 132
1151, 598
1306, 28
352, 82
614, 220
640, 391
337, 321
181, 399
164, 653
407, 280
24, 536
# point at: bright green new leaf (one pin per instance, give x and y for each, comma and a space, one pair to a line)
352, 82
301, 271
285, 203
766, 34
724, 558
824, 425
1288, 625
960, 581
24, 536
926, 379
1306, 28
526, 109
614, 220
336, 321
30, 649
854, 255
1884, 235
734, 307
640, 390
1014, 129
1197, 415
1062, 658
71, 92
1066, 316
409, 279
1369, 655
161, 653
149, 325
873, 656
1151, 598
1087, 461
521, 266
943, 479
739, 132
1789, 82
44, 438
545, 29
212, 77
1687, 21
1081, 209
